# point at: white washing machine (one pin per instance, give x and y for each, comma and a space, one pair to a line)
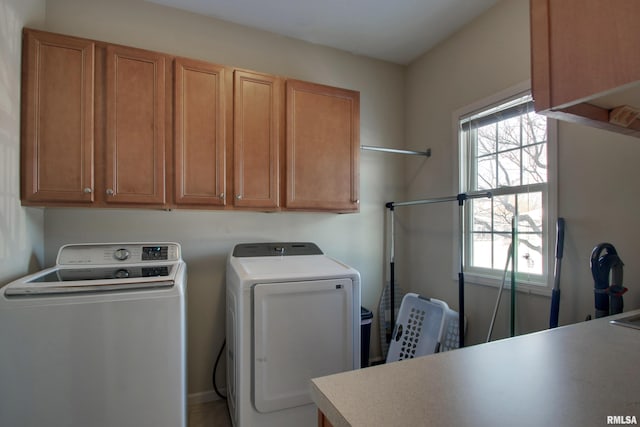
98, 340
293, 314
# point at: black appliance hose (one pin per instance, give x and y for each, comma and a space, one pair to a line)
215, 369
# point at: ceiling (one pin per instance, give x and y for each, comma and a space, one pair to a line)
397, 31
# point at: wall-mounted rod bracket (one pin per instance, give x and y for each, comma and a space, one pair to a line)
397, 151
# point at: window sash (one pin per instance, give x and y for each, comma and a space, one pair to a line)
486, 242
479, 120
469, 173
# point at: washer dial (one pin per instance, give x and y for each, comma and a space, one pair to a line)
121, 254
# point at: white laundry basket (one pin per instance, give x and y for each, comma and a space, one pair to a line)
424, 326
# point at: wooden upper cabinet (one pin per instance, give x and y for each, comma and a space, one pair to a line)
110, 125
258, 115
322, 147
585, 66
135, 126
57, 118
199, 117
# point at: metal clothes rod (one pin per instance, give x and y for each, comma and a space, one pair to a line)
397, 151
460, 198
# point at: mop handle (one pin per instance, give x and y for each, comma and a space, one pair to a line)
504, 279
555, 293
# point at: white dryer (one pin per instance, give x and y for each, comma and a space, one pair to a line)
293, 314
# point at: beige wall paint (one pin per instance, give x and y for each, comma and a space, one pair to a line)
208, 236
21, 229
596, 175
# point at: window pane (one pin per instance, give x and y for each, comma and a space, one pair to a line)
509, 134
504, 209
481, 250
501, 251
530, 212
486, 140
534, 128
486, 173
534, 164
509, 168
530, 233
529, 253
481, 219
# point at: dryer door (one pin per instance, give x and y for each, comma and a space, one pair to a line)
302, 330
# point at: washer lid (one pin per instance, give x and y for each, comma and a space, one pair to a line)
86, 279
103, 273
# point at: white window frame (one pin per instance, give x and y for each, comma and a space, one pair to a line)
549, 216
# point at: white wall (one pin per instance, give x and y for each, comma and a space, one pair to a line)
208, 236
597, 173
21, 229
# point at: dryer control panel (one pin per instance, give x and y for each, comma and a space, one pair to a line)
244, 250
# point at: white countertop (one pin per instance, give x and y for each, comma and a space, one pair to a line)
575, 375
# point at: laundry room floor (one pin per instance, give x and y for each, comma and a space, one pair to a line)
209, 414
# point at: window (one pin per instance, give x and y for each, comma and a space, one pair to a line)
504, 149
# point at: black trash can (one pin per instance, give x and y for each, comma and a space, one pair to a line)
366, 317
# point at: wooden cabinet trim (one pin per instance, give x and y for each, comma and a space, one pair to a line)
39, 141
198, 181
257, 139
540, 65
304, 192
119, 163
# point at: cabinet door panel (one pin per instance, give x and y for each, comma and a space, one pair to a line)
322, 147
200, 133
582, 66
257, 118
135, 171
57, 140
585, 57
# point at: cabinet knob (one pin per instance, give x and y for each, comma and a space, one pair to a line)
87, 190
221, 195
239, 197
109, 192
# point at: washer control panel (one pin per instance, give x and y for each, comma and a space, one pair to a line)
155, 253
118, 253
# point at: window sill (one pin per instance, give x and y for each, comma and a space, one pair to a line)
524, 287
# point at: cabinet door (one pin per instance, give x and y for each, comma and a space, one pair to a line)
323, 144
583, 48
57, 118
256, 140
583, 63
199, 133
135, 100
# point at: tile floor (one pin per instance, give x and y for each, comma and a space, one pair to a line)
209, 414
